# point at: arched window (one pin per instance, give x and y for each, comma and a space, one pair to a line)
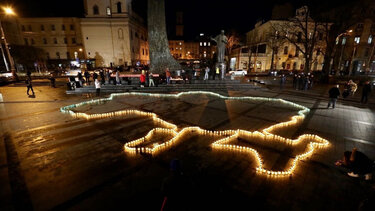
118, 7
95, 10
120, 34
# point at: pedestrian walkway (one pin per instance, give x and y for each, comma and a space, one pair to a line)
49, 160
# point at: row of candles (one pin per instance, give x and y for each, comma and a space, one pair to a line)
171, 129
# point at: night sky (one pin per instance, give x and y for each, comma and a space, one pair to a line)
208, 16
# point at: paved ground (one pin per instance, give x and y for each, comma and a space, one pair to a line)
49, 160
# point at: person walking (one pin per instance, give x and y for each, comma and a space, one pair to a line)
365, 92
334, 93
97, 86
168, 75
151, 79
207, 70
29, 86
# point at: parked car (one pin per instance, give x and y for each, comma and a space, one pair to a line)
238, 72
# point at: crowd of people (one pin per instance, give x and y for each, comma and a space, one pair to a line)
302, 81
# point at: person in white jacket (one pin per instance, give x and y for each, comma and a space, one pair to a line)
207, 70
97, 86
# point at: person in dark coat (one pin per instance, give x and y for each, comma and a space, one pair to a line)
357, 163
87, 76
80, 79
295, 78
334, 93
102, 77
95, 76
365, 92
29, 86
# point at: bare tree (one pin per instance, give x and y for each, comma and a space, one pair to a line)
303, 32
160, 56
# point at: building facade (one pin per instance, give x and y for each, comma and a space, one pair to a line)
60, 38
114, 35
266, 49
356, 48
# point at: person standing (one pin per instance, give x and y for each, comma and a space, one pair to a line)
217, 72
97, 86
80, 78
94, 76
207, 70
168, 75
151, 79
102, 77
282, 81
295, 79
87, 76
52, 79
142, 78
365, 92
334, 93
118, 82
108, 75
29, 86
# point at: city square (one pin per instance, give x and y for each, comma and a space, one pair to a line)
150, 119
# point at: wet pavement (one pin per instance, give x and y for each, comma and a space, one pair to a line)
50, 160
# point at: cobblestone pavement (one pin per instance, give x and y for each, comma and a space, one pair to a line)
49, 160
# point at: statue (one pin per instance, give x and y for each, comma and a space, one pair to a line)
221, 42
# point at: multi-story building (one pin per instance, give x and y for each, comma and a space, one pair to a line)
264, 45
184, 50
356, 48
60, 38
114, 35
206, 47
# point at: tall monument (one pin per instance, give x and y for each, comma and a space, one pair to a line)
160, 56
221, 42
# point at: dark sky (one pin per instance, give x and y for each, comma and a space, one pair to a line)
207, 16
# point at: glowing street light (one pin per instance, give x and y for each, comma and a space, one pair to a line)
8, 11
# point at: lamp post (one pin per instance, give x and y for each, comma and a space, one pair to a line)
8, 11
343, 42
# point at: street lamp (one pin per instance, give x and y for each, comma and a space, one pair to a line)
8, 11
343, 42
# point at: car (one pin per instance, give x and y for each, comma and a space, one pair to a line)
72, 72
238, 72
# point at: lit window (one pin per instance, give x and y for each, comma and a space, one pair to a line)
209, 44
201, 34
108, 11
180, 43
200, 43
204, 43
369, 41
357, 39
343, 41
